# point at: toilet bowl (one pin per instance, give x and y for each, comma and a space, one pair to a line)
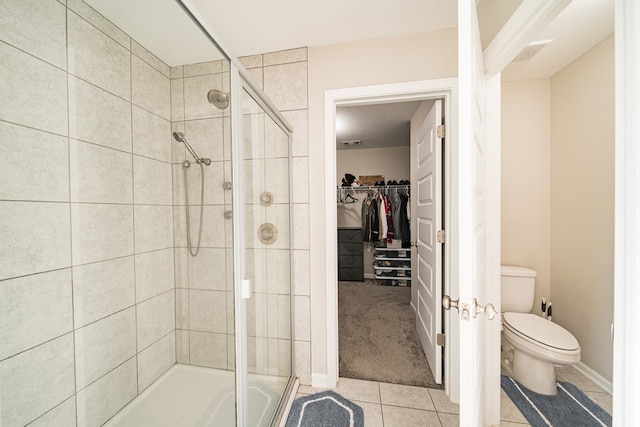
531, 344
538, 345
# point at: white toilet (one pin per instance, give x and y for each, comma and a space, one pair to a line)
531, 344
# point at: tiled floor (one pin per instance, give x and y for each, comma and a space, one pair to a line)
391, 405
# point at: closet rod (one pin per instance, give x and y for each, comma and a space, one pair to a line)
376, 187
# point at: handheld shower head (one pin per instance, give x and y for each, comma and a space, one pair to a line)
179, 137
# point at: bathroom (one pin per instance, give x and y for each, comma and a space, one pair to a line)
557, 198
50, 220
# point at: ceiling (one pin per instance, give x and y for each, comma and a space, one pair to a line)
246, 27
375, 126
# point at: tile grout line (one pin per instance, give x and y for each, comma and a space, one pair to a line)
73, 319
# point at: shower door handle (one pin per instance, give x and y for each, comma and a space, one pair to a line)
246, 289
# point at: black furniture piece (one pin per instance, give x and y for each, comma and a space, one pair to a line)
350, 265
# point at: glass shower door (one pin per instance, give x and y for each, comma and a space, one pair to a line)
267, 261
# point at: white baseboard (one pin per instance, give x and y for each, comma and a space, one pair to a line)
319, 381
598, 379
413, 307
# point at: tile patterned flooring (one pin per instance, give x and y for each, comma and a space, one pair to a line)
392, 405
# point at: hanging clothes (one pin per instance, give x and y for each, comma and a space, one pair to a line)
397, 230
382, 217
403, 219
370, 221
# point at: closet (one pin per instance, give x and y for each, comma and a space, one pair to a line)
371, 220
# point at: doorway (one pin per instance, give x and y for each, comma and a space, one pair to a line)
412, 91
378, 337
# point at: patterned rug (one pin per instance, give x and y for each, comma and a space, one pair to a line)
326, 409
570, 407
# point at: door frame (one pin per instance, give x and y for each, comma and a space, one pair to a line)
396, 92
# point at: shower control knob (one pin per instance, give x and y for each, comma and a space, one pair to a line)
228, 214
226, 185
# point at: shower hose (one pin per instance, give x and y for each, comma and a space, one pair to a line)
186, 198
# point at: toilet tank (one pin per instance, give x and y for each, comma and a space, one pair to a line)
517, 287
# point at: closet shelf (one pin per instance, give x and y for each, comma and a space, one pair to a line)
384, 267
382, 258
396, 269
399, 278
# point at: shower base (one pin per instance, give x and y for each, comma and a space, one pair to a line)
189, 396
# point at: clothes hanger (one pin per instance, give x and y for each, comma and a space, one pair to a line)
349, 199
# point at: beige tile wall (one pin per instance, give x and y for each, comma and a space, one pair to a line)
204, 284
86, 266
93, 307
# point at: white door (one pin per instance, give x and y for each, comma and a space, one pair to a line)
471, 208
427, 264
478, 235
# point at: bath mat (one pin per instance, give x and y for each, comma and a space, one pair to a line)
570, 407
326, 409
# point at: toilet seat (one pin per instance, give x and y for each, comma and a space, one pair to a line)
541, 331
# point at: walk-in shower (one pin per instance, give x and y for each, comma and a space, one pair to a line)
107, 318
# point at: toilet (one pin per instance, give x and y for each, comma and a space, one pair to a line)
531, 344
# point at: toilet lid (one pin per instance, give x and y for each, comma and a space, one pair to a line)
537, 329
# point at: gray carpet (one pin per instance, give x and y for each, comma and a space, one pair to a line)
378, 338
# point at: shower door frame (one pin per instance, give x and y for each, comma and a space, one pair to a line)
240, 80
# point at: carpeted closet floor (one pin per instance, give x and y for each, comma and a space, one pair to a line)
378, 339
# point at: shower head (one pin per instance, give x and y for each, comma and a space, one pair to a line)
179, 137
218, 99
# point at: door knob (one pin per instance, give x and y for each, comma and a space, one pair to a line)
488, 309
447, 302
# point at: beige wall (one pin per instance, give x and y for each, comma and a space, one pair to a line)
391, 162
526, 167
363, 63
582, 198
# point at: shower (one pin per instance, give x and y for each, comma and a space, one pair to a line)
218, 99
179, 137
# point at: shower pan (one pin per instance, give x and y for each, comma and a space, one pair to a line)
159, 291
